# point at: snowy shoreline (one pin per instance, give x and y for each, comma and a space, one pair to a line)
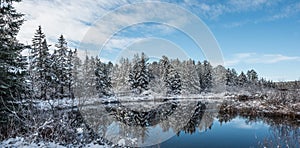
267, 105
252, 104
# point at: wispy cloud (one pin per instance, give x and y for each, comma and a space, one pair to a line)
73, 19
213, 10
269, 10
57, 17
76, 19
286, 11
254, 58
93, 22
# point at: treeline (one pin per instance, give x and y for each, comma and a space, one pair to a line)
172, 76
62, 74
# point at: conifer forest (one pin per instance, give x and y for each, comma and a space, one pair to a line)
52, 95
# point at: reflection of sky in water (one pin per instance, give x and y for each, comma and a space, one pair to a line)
151, 126
240, 123
235, 133
155, 134
194, 127
112, 130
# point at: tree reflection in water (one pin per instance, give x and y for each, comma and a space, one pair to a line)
282, 135
143, 127
283, 132
131, 124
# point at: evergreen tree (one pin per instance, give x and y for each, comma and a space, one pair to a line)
242, 79
139, 76
69, 73
12, 63
156, 83
199, 68
120, 75
206, 83
163, 65
190, 78
77, 75
39, 65
252, 76
60, 67
89, 77
103, 81
231, 77
234, 77
172, 81
170, 77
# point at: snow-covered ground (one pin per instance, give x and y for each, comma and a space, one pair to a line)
67, 102
21, 142
255, 101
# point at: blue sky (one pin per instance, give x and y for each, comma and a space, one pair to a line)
252, 34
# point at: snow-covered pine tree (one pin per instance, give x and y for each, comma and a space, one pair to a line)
242, 79
199, 69
70, 75
12, 63
206, 83
120, 74
103, 80
77, 75
172, 81
234, 77
231, 77
139, 76
157, 70
252, 76
60, 67
154, 68
110, 66
163, 65
156, 84
39, 65
168, 76
190, 78
48, 73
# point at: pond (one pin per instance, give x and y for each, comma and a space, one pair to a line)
185, 123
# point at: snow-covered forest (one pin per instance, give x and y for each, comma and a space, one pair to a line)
63, 74
55, 75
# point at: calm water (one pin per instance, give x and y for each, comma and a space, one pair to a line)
180, 123
235, 133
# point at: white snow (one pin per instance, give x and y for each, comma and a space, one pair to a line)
21, 142
121, 142
79, 130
